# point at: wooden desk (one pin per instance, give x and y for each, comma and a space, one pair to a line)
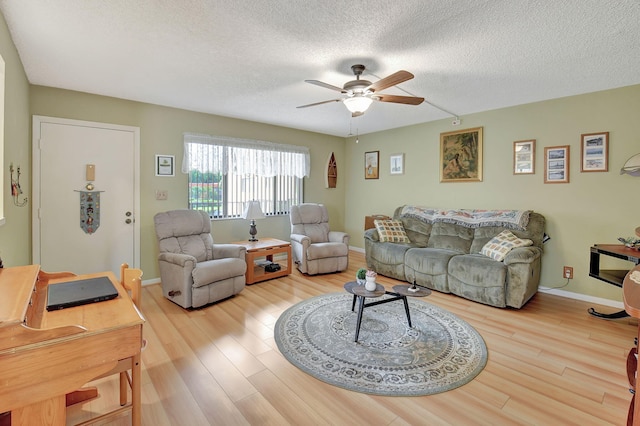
46, 355
631, 299
265, 248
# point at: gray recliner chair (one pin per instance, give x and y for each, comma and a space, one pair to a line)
314, 248
195, 271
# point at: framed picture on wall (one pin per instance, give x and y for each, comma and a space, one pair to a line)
461, 156
371, 162
556, 164
396, 164
594, 151
524, 157
165, 165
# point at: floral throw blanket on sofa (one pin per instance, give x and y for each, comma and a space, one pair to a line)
514, 219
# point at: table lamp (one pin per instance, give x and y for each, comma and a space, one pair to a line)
253, 212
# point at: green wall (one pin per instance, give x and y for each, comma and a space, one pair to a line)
161, 130
15, 234
592, 208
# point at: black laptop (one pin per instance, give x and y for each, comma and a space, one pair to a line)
81, 292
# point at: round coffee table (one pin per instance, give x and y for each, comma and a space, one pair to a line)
361, 293
400, 292
409, 290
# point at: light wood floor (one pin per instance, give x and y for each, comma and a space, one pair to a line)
550, 363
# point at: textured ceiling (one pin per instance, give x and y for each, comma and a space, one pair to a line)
249, 59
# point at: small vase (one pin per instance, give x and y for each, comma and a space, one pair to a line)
370, 285
360, 281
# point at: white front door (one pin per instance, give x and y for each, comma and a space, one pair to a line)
62, 149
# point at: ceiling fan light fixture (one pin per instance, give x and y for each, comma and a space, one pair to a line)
358, 104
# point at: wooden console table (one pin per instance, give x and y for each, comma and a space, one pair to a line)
611, 276
265, 248
45, 355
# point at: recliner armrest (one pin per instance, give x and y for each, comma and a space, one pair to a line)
224, 251
301, 239
177, 258
338, 237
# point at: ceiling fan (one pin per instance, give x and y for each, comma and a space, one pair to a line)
360, 94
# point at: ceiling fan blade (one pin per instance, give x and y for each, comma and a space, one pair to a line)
319, 103
392, 80
326, 85
409, 100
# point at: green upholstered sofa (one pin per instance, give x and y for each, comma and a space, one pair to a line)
444, 255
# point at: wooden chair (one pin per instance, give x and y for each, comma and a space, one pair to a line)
131, 280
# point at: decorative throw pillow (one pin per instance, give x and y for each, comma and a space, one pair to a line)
498, 247
391, 231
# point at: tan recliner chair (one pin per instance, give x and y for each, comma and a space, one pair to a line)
195, 271
315, 249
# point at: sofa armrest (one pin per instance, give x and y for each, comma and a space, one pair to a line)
338, 237
225, 251
371, 234
523, 255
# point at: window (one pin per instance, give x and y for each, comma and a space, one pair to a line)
226, 173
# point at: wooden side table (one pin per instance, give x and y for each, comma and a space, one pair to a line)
611, 276
262, 251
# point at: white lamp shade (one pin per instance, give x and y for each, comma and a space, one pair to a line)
253, 211
358, 103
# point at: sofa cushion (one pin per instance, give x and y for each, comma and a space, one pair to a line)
391, 231
449, 236
480, 278
498, 247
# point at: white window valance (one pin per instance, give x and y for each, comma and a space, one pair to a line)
245, 156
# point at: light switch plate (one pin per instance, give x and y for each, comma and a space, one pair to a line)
162, 194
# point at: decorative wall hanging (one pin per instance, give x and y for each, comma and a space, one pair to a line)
165, 165
16, 191
556, 164
524, 157
89, 211
371, 161
632, 167
594, 151
332, 172
396, 164
461, 156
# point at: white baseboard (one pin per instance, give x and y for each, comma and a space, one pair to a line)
558, 292
582, 297
151, 281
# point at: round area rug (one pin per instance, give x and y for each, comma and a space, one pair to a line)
441, 352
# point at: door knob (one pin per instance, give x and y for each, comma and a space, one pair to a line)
128, 221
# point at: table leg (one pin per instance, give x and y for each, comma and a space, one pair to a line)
353, 304
360, 309
406, 309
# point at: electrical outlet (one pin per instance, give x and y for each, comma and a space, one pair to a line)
162, 194
568, 272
